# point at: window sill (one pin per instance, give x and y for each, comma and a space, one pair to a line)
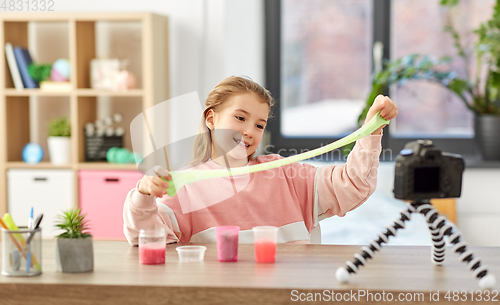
478, 162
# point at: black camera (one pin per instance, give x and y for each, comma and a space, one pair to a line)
424, 172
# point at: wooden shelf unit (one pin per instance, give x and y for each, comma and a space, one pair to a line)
81, 103
41, 165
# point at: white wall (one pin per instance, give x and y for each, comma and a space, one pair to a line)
478, 210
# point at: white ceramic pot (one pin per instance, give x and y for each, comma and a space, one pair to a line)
59, 149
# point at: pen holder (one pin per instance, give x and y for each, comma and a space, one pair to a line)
18, 257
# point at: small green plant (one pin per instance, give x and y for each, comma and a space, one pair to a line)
39, 72
73, 223
413, 67
59, 127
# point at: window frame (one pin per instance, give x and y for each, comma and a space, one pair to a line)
285, 146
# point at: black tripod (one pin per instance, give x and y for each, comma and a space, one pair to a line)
439, 228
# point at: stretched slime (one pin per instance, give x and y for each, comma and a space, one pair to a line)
181, 178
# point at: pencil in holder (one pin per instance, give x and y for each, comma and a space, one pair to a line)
22, 252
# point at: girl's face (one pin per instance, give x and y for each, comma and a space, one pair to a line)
239, 126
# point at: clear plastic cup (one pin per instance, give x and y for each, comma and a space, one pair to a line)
265, 238
152, 245
18, 257
191, 253
227, 243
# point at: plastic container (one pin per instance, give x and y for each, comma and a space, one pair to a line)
265, 238
18, 258
152, 245
227, 243
191, 253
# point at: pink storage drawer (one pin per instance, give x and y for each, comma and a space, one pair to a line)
102, 194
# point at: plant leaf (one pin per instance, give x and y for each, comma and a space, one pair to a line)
73, 223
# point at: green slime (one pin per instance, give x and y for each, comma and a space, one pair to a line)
181, 178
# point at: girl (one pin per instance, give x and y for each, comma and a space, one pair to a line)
292, 197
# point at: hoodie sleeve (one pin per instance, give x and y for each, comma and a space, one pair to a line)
142, 212
342, 188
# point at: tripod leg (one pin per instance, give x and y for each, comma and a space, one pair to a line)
439, 223
432, 217
360, 259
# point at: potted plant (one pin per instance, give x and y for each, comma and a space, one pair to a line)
479, 92
59, 140
74, 250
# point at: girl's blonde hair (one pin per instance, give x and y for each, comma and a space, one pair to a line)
216, 100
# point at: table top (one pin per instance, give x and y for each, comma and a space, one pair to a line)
304, 268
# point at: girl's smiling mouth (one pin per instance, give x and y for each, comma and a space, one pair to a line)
241, 143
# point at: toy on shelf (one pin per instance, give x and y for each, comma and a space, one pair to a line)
61, 70
32, 153
120, 155
100, 136
103, 127
124, 81
110, 74
53, 77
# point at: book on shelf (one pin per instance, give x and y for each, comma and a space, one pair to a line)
14, 70
55, 86
23, 60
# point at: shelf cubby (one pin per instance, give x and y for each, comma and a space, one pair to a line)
91, 108
28, 121
104, 40
15, 32
39, 37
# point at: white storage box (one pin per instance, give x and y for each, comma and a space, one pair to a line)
48, 191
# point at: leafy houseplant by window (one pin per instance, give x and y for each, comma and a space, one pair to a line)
74, 251
59, 140
479, 91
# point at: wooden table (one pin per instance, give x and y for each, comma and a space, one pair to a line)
118, 278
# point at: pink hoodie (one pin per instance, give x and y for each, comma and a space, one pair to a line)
293, 197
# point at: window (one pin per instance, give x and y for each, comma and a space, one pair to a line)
319, 65
326, 66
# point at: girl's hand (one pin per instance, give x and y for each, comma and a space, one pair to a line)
388, 110
154, 185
